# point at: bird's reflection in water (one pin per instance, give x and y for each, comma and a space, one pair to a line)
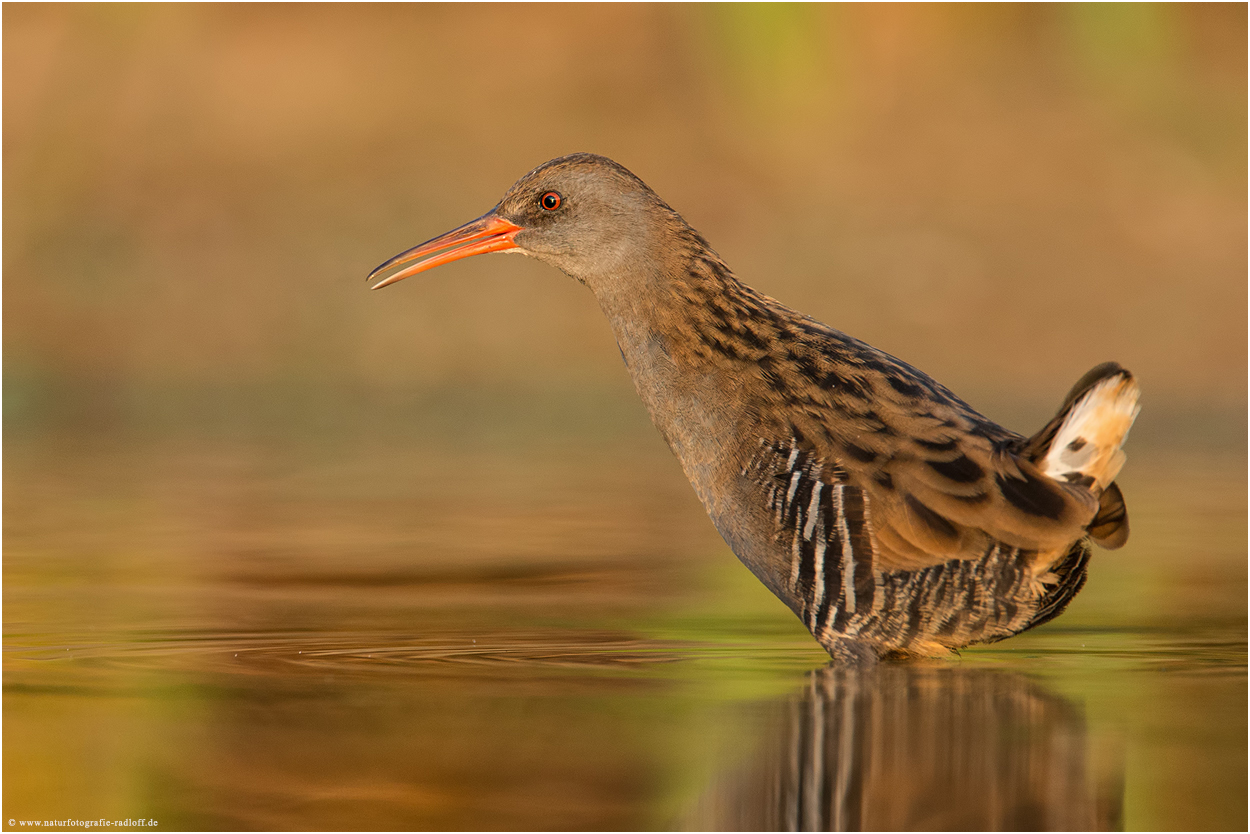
916, 748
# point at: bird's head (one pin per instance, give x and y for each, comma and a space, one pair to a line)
584, 214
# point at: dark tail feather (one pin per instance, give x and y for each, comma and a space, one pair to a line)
1110, 526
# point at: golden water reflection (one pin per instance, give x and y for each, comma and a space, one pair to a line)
925, 748
363, 631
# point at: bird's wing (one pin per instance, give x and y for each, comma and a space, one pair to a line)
933, 495
939, 481
946, 493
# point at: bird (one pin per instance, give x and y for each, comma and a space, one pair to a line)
890, 516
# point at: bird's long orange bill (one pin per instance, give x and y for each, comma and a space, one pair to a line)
489, 233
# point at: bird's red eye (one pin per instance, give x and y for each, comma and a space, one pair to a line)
550, 201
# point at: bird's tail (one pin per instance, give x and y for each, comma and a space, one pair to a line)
1081, 445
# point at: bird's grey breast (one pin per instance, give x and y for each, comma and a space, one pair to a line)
689, 407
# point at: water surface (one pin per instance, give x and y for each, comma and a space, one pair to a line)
342, 632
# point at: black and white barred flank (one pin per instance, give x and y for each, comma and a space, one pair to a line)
826, 525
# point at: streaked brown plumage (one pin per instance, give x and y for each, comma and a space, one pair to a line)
883, 510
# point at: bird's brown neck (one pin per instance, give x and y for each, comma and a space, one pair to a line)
691, 336
692, 302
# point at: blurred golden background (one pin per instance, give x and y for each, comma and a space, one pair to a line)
280, 552
1001, 195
